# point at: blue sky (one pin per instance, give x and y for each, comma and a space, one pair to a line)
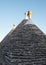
12, 12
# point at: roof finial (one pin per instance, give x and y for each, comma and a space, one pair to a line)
29, 14
14, 26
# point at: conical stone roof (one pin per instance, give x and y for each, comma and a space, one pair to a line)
26, 45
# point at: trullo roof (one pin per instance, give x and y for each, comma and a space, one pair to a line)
25, 45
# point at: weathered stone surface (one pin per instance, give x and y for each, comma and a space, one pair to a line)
26, 45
